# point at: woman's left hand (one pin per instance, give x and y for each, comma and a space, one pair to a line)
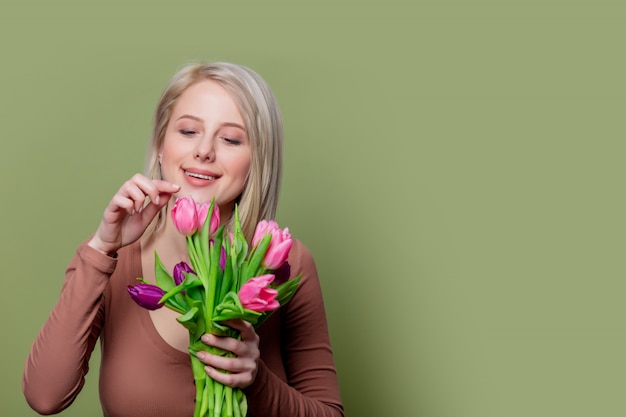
242, 369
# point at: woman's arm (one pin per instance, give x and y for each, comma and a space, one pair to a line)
55, 369
312, 388
59, 359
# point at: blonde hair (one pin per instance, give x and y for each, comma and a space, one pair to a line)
263, 123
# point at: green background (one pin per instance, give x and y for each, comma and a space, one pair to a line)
456, 168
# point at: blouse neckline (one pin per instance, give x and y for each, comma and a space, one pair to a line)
148, 324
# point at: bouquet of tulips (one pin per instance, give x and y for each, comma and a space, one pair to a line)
226, 280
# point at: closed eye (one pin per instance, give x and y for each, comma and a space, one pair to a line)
232, 141
186, 132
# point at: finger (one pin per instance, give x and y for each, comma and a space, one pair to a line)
164, 194
136, 194
120, 203
229, 364
150, 211
245, 328
166, 187
225, 343
159, 191
147, 187
234, 372
234, 380
165, 191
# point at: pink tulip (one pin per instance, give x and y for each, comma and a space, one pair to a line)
264, 227
278, 251
279, 247
256, 295
203, 210
223, 259
184, 215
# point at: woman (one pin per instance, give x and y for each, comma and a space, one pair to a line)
217, 134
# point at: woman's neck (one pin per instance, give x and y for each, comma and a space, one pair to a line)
169, 243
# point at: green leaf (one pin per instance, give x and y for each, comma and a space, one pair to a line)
204, 235
163, 279
195, 293
200, 326
240, 244
188, 321
188, 316
214, 272
175, 305
287, 289
230, 308
256, 257
190, 281
227, 278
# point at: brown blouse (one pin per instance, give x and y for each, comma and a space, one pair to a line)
141, 375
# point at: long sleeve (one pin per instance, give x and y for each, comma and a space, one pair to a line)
309, 387
55, 369
142, 375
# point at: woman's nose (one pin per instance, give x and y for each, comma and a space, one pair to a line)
205, 149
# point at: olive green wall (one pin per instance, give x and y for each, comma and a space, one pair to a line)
456, 167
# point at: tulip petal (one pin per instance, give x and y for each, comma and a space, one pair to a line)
185, 215
179, 272
256, 295
146, 295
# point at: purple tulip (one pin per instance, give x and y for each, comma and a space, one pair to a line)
283, 273
179, 272
146, 295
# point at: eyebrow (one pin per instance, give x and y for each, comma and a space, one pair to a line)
198, 119
188, 116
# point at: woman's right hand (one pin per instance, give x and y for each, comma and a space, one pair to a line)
127, 216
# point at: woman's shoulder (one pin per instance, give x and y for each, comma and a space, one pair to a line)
300, 256
298, 248
302, 263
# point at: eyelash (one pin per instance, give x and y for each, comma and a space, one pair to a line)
232, 141
187, 132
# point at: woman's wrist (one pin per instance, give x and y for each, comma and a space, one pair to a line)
96, 244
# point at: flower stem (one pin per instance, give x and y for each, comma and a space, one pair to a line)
236, 409
210, 396
199, 377
196, 262
228, 394
219, 394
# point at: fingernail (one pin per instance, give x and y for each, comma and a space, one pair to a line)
157, 199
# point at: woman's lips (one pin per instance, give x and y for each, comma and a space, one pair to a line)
199, 178
199, 175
